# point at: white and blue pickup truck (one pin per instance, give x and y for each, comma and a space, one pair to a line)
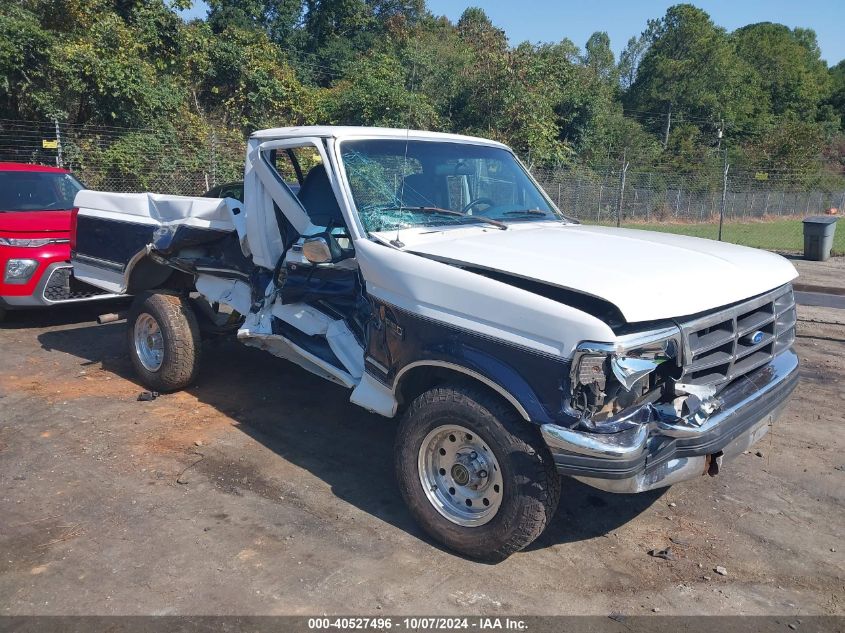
431, 276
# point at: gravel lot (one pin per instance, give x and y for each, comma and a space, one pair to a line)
261, 490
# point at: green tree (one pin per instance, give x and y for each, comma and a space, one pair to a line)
24, 61
278, 18
377, 91
248, 83
790, 73
691, 69
599, 58
837, 91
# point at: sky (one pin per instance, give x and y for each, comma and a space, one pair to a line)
551, 21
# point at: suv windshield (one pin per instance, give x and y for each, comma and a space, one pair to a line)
37, 191
439, 183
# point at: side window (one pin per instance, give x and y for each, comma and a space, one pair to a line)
67, 189
232, 191
294, 164
303, 171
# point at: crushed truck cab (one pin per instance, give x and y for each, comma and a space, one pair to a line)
431, 276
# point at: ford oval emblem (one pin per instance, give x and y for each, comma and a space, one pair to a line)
755, 337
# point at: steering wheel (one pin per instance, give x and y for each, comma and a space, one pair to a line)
482, 200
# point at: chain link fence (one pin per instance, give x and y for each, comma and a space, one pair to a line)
757, 208
183, 160
761, 208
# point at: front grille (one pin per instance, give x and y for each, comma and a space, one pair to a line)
62, 286
721, 346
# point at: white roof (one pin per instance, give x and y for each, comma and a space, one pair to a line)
344, 131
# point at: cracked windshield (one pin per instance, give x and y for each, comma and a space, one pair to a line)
439, 183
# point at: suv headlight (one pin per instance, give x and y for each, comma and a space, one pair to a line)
25, 242
19, 271
608, 378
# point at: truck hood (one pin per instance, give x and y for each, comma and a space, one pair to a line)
35, 222
646, 275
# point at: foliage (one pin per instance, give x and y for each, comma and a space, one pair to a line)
690, 68
680, 95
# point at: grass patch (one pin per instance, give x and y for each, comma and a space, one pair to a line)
774, 235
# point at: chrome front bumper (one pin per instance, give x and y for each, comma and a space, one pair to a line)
656, 453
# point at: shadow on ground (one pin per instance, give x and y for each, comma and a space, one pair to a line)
59, 315
312, 424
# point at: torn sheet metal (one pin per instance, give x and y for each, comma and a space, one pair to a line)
283, 348
228, 291
151, 208
346, 347
374, 396
303, 317
312, 322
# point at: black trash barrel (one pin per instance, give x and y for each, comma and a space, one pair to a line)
818, 236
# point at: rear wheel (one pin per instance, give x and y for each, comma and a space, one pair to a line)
2, 314
475, 476
164, 341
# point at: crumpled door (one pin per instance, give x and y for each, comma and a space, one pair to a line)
263, 186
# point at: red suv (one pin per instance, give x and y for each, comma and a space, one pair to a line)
36, 205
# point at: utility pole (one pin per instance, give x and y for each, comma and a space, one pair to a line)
724, 194
668, 127
622, 187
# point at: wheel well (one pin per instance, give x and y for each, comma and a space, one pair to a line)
148, 275
421, 378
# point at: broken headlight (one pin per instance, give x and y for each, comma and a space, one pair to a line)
608, 378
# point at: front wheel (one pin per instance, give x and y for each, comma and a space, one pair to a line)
164, 341
475, 476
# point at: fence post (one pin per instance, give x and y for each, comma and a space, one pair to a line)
598, 206
214, 158
59, 161
622, 188
577, 196
724, 195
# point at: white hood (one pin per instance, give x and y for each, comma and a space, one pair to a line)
647, 275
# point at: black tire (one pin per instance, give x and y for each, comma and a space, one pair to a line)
181, 341
2, 314
531, 485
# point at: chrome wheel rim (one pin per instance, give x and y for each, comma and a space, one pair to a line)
149, 343
460, 475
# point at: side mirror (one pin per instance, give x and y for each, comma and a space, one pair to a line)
317, 250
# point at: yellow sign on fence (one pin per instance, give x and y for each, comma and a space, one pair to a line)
50, 144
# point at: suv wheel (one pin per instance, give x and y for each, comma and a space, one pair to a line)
164, 341
475, 476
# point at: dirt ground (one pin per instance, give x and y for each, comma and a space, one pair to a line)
261, 490
829, 274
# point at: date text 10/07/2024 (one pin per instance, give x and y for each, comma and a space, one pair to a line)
417, 624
